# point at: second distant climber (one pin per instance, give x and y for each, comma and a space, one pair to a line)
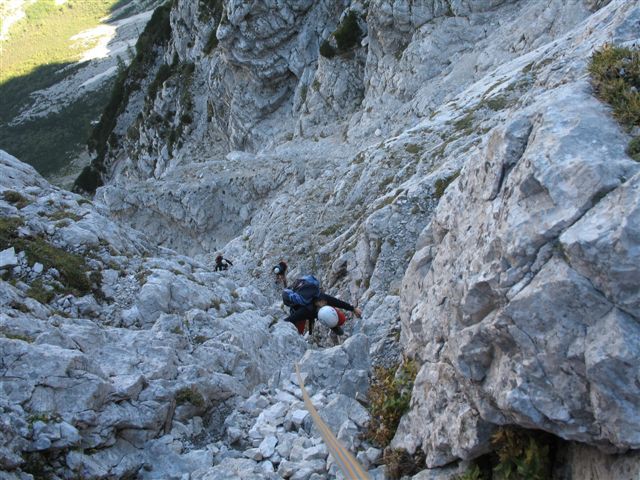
222, 263
280, 271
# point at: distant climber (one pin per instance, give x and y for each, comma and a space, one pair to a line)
222, 263
280, 270
306, 300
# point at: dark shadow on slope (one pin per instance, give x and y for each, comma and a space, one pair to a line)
15, 93
47, 143
119, 4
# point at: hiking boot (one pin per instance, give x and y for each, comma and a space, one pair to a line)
338, 330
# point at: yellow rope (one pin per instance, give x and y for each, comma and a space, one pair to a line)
350, 467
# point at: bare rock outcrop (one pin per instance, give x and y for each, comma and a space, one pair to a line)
510, 323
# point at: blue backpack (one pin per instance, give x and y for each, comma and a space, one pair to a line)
302, 292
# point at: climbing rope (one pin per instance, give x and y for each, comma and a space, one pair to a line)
350, 467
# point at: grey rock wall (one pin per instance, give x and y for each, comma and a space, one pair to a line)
453, 174
511, 325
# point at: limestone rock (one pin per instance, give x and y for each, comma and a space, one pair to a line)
8, 258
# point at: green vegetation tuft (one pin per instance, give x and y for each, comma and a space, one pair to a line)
327, 50
497, 103
190, 395
88, 180
212, 43
73, 269
473, 473
6, 333
8, 231
39, 292
633, 150
465, 124
400, 464
21, 307
442, 183
164, 72
348, 33
16, 198
155, 35
347, 36
615, 76
200, 339
389, 397
412, 148
64, 215
518, 454
210, 11
522, 455
330, 230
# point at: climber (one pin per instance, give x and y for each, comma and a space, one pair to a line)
332, 318
305, 300
280, 271
220, 265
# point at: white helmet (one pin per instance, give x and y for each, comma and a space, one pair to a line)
276, 269
328, 316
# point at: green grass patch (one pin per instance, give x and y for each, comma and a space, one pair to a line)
615, 75
327, 50
441, 184
39, 292
497, 103
38, 54
65, 215
465, 124
8, 231
348, 32
16, 198
4, 331
47, 142
346, 36
518, 454
633, 150
73, 269
400, 464
389, 397
190, 395
44, 36
329, 231
413, 148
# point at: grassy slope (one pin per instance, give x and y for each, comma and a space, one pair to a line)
32, 59
43, 36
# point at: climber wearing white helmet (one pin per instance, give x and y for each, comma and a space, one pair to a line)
309, 308
331, 317
280, 270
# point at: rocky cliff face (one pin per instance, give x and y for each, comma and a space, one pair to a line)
450, 170
157, 367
